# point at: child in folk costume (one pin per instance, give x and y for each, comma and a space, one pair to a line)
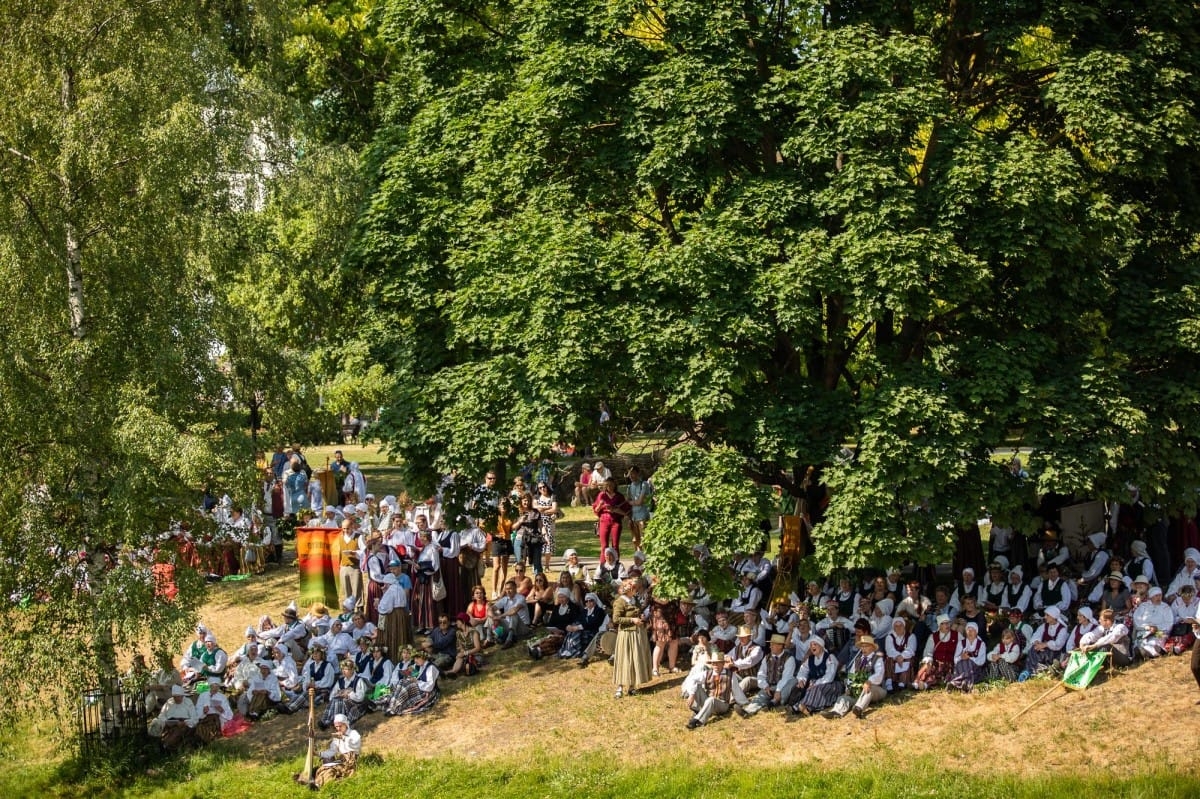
1085, 623
1003, 659
969, 659
938, 660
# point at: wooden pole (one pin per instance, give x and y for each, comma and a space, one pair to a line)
1032, 704
306, 777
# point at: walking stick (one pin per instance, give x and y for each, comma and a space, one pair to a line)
305, 777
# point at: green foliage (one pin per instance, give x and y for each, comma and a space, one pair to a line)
702, 499
783, 228
121, 143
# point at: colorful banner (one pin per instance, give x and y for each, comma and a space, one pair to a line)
1082, 668
316, 558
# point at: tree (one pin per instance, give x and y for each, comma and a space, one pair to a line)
783, 227
121, 146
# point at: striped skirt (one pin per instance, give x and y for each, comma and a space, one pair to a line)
818, 697
408, 699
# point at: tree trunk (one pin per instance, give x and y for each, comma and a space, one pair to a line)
73, 245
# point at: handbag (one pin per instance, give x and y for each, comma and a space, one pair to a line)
438, 589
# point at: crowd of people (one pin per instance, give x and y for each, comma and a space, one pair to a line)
414, 611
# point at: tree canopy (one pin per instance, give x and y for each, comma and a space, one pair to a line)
924, 229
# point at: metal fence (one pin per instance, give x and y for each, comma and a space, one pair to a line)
113, 727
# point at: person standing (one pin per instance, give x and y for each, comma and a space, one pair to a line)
641, 492
341, 470
632, 657
610, 508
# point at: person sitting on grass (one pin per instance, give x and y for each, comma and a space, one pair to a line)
714, 695
969, 659
469, 648
510, 616
865, 678
212, 712
347, 697
1152, 621
1110, 635
442, 644
1003, 660
175, 721
1047, 644
938, 660
340, 758
417, 693
263, 694
817, 679
776, 677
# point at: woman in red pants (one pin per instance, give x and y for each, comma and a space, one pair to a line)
610, 508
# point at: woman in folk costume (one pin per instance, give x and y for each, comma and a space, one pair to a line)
213, 712
900, 649
318, 674
340, 759
457, 592
374, 569
938, 660
632, 658
1048, 642
347, 696
969, 659
426, 572
1003, 659
1152, 622
395, 626
1185, 575
414, 694
817, 678
1085, 622
1185, 609
1140, 563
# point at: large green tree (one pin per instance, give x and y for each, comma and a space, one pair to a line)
784, 226
123, 153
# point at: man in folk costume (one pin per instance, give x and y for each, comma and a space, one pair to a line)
776, 677
263, 693
176, 720
295, 635
865, 676
834, 628
1054, 591
715, 694
744, 659
212, 711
